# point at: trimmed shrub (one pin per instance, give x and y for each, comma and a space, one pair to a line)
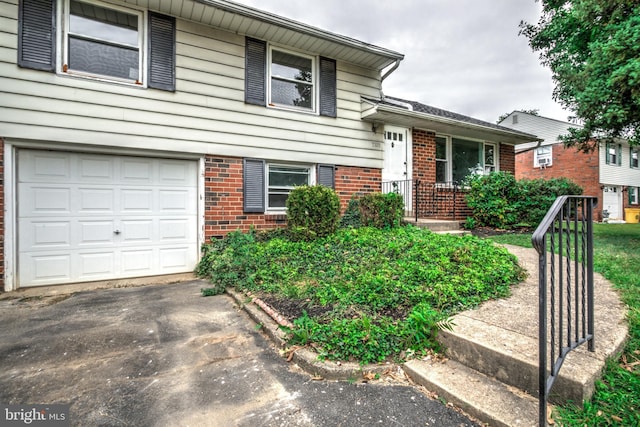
498, 200
382, 210
538, 195
313, 211
492, 198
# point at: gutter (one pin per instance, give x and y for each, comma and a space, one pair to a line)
444, 120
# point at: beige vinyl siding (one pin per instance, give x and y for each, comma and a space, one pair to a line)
206, 114
618, 175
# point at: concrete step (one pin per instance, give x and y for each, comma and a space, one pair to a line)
484, 398
435, 225
512, 358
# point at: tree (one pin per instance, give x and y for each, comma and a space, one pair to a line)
593, 50
533, 112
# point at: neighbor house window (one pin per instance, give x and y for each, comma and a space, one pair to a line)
456, 158
281, 179
633, 154
613, 154
543, 156
103, 41
633, 195
292, 80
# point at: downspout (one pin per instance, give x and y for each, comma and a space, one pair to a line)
395, 66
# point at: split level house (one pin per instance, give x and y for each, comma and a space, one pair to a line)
132, 132
611, 172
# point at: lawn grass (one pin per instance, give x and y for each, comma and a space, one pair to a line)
369, 295
616, 400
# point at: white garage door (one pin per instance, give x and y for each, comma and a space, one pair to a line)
84, 217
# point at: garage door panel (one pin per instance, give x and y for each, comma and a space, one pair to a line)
136, 231
44, 166
96, 232
100, 217
172, 172
176, 201
45, 235
138, 261
96, 200
137, 170
45, 269
136, 201
96, 169
44, 200
172, 230
175, 258
95, 265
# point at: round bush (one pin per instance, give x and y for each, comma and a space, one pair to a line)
314, 208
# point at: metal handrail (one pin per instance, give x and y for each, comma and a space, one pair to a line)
568, 228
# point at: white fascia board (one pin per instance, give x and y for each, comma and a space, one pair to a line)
514, 138
299, 27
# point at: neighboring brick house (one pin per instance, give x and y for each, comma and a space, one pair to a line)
439, 149
611, 172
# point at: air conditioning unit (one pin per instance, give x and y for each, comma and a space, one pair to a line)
544, 161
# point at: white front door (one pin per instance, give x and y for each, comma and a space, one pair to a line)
611, 202
84, 217
396, 161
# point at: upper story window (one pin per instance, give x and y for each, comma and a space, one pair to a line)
103, 41
282, 79
613, 154
456, 158
633, 155
543, 156
292, 80
97, 40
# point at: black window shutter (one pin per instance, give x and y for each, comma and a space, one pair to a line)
607, 156
253, 185
161, 62
328, 87
326, 176
255, 72
37, 34
619, 154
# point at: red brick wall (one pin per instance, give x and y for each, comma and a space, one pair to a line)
223, 203
507, 158
424, 155
353, 180
581, 168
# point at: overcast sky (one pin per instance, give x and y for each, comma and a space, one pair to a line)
460, 55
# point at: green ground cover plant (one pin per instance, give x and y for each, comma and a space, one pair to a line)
616, 400
365, 294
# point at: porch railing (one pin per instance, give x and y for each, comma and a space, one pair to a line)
441, 200
564, 242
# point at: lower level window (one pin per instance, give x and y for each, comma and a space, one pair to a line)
281, 179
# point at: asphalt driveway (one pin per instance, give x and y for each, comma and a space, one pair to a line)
165, 356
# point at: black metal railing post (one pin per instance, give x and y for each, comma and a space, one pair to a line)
417, 199
566, 300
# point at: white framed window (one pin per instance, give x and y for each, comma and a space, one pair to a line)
281, 179
103, 41
456, 158
633, 155
613, 154
443, 171
543, 156
292, 80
